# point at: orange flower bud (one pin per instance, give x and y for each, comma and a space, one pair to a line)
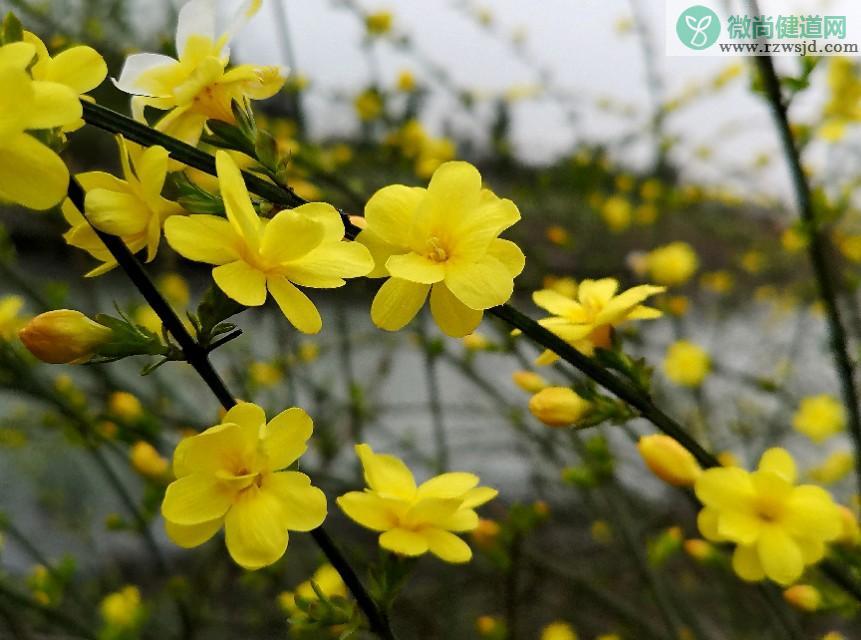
668, 460
558, 406
529, 381
803, 597
64, 336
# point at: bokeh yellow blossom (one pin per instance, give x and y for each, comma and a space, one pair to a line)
819, 417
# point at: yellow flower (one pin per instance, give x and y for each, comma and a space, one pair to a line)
369, 105
686, 363
197, 87
616, 212
672, 264
31, 173
10, 317
558, 406
406, 81
442, 240
265, 374
557, 235
529, 381
379, 23
487, 625
122, 609
833, 469
717, 281
125, 405
779, 528
80, 68
328, 581
433, 153
414, 520
476, 342
146, 460
232, 475
132, 209
585, 320
558, 631
804, 597
64, 336
669, 460
819, 417
793, 240
304, 246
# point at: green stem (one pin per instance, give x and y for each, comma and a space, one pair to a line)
434, 397
817, 252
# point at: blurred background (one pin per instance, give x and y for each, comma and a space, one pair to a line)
624, 163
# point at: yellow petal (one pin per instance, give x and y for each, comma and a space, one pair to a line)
780, 557
621, 305
368, 510
117, 213
461, 520
31, 174
202, 238
285, 437
80, 68
289, 236
452, 316
390, 212
205, 452
479, 227
448, 485
404, 542
151, 169
380, 252
454, 191
778, 461
242, 282
555, 303
295, 305
54, 105
415, 268
746, 564
811, 513
254, 531
90, 180
328, 265
386, 474
303, 507
509, 254
135, 79
16, 100
707, 522
430, 511
17, 54
725, 488
478, 496
597, 291
188, 536
251, 420
195, 498
397, 302
738, 526
447, 546
325, 215
482, 284
237, 202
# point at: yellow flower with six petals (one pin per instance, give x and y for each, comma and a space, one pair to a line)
779, 528
232, 475
197, 87
304, 246
585, 320
442, 240
416, 519
131, 208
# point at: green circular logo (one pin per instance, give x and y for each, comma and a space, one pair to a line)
698, 27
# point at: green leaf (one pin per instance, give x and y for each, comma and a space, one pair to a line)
12, 29
211, 313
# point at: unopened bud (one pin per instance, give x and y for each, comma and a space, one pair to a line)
558, 406
529, 381
804, 597
147, 461
668, 460
64, 336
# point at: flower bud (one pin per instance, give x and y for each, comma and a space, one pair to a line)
486, 533
668, 460
122, 609
804, 597
699, 549
146, 460
125, 405
64, 336
529, 381
558, 406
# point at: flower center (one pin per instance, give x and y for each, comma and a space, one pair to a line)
436, 251
768, 508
